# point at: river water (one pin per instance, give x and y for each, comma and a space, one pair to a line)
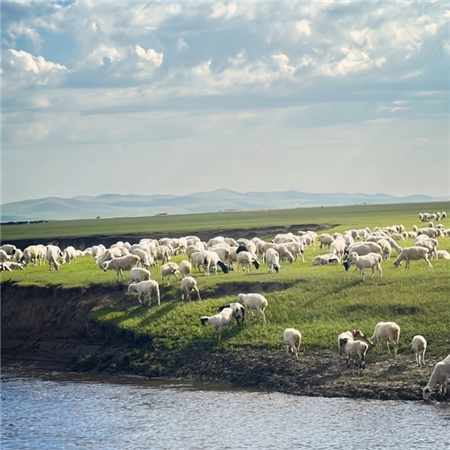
53, 410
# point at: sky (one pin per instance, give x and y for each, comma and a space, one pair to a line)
183, 97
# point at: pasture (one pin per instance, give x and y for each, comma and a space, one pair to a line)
321, 301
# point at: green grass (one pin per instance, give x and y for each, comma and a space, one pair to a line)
341, 217
320, 301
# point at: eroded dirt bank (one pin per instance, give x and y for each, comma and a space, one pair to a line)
48, 328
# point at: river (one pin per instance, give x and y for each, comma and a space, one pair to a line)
55, 410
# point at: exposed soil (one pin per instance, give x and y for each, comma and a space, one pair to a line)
48, 328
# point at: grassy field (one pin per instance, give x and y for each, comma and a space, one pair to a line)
320, 301
341, 217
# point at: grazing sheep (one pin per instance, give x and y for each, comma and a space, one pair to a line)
146, 260
370, 261
220, 320
272, 260
419, 345
120, 264
139, 274
388, 332
244, 259
146, 289
185, 268
69, 255
325, 240
4, 256
292, 339
9, 249
356, 350
32, 255
211, 261
348, 335
338, 247
188, 286
253, 302
238, 312
440, 374
169, 269
412, 253
53, 252
364, 248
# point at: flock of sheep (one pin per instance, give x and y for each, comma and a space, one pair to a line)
364, 248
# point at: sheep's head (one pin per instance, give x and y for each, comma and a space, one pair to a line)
357, 333
426, 393
277, 268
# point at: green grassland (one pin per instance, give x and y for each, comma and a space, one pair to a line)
320, 301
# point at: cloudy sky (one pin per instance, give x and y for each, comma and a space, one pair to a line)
176, 98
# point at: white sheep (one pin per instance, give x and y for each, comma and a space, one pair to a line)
245, 259
388, 332
8, 266
9, 249
169, 269
53, 253
32, 255
348, 335
139, 274
146, 289
338, 247
325, 240
223, 319
69, 255
188, 286
328, 258
440, 374
442, 254
4, 256
120, 264
419, 345
185, 268
412, 253
292, 339
364, 248
238, 311
146, 260
370, 261
272, 260
211, 261
355, 350
253, 302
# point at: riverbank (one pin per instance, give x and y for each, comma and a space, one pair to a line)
49, 328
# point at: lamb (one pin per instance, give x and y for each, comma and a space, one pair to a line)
138, 274
388, 332
146, 289
189, 285
440, 374
185, 268
253, 302
412, 253
419, 345
238, 312
292, 339
120, 264
356, 350
348, 335
370, 261
273, 260
223, 319
169, 269
244, 259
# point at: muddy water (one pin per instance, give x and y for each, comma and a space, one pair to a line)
52, 410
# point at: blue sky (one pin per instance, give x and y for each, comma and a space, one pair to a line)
176, 98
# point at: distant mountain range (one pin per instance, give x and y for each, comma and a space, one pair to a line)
114, 205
